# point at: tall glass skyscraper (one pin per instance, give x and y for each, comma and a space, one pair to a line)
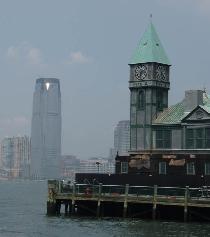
46, 129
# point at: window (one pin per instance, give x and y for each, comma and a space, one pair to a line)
159, 100
163, 139
189, 138
162, 167
133, 97
207, 168
198, 138
141, 100
207, 137
191, 168
124, 167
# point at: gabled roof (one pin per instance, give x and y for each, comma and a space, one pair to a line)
176, 113
150, 49
191, 114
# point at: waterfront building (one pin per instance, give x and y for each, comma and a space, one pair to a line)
170, 145
15, 156
171, 141
46, 129
122, 138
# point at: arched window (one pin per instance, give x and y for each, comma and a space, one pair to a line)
141, 100
159, 100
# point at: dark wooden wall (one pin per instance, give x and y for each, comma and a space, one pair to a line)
145, 180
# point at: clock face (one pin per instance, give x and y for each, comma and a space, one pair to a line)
161, 73
141, 72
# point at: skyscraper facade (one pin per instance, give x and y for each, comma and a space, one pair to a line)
46, 129
122, 137
15, 156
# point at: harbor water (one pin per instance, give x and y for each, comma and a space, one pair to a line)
23, 214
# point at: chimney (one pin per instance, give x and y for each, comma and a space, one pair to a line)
192, 99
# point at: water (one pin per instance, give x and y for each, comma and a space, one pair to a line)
23, 208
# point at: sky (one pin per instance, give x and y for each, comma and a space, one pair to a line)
88, 45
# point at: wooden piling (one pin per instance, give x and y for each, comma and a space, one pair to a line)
125, 206
154, 202
73, 199
52, 207
186, 203
99, 200
66, 208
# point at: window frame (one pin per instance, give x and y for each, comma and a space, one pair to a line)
124, 167
188, 168
163, 138
199, 138
162, 168
190, 138
141, 100
207, 168
159, 100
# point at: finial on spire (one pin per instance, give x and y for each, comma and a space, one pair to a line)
204, 88
204, 92
150, 16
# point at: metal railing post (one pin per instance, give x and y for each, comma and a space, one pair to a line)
186, 196
125, 206
99, 199
154, 202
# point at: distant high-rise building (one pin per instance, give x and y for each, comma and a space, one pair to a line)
69, 166
15, 156
46, 129
122, 137
112, 153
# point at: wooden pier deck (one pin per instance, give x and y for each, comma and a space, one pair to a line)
129, 201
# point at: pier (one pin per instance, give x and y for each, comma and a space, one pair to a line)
152, 202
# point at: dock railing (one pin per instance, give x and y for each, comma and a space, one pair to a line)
133, 191
60, 192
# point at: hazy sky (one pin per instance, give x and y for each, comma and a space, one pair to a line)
87, 45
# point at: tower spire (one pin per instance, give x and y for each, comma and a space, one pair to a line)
150, 48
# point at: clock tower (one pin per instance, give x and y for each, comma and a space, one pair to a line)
149, 85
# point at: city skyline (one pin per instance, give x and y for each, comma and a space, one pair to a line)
86, 47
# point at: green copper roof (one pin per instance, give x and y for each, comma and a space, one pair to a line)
171, 115
175, 113
150, 49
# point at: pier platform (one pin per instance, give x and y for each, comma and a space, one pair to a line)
152, 202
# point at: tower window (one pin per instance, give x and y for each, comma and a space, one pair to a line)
159, 100
141, 100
